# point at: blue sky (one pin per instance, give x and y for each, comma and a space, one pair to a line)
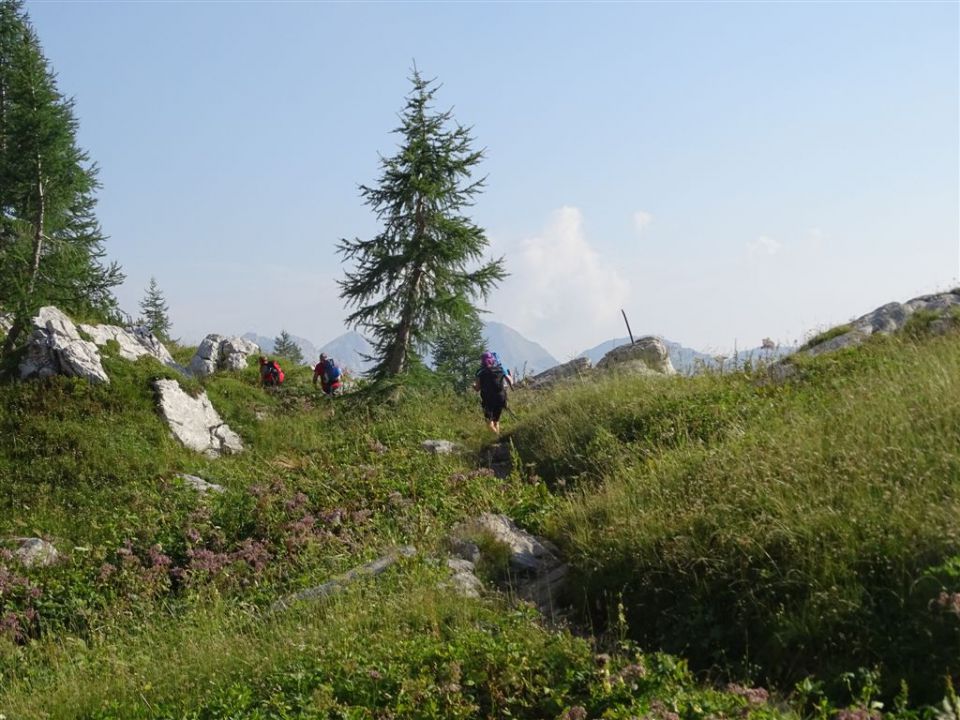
722, 171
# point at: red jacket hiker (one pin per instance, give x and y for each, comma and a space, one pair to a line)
270, 372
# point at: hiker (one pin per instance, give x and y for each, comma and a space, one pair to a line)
491, 381
270, 372
330, 375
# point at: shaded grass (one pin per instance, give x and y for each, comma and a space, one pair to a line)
403, 647
773, 531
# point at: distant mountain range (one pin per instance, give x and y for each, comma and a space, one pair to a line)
687, 360
348, 351
515, 351
266, 344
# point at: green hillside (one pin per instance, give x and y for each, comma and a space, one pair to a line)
801, 536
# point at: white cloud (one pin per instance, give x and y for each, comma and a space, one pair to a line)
561, 292
763, 245
641, 219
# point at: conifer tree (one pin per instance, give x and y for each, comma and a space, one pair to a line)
414, 277
155, 311
51, 245
285, 347
456, 352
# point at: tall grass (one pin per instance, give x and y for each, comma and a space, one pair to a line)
773, 531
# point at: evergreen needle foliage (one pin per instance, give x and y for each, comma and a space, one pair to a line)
414, 278
456, 352
51, 245
155, 309
286, 347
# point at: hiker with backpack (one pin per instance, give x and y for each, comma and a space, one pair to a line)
492, 383
270, 372
330, 375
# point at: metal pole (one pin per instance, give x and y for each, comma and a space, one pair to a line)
629, 331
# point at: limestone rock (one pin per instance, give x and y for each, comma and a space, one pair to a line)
645, 356
134, 342
573, 369
199, 484
889, 318
56, 348
465, 550
337, 584
33, 552
527, 553
205, 359
439, 447
537, 573
6, 322
463, 580
217, 352
234, 352
195, 422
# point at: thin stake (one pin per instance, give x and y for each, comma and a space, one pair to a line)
629, 331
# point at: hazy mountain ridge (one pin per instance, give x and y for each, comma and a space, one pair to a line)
686, 360
266, 344
515, 351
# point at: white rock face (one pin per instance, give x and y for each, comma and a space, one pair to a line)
217, 352
195, 422
439, 447
647, 355
204, 361
888, 319
199, 484
575, 368
462, 579
6, 322
35, 552
234, 352
56, 348
134, 342
526, 551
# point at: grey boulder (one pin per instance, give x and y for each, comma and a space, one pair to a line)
195, 422
55, 347
890, 318
217, 352
573, 369
439, 447
199, 484
134, 342
646, 356
35, 552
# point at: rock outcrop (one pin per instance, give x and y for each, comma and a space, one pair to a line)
648, 355
199, 484
536, 572
887, 319
440, 447
134, 342
331, 587
573, 369
35, 552
195, 422
55, 347
217, 352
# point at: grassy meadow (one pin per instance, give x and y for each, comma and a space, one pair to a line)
738, 547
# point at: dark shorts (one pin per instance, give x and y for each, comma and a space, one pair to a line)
493, 408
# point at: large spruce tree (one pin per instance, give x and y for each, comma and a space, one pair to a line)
51, 245
414, 277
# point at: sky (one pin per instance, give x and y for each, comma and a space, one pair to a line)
722, 172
